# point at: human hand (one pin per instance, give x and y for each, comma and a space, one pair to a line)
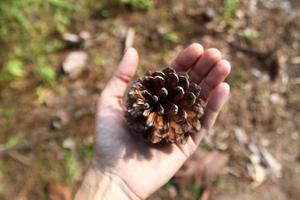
141, 169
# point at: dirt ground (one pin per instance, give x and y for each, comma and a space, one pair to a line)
262, 43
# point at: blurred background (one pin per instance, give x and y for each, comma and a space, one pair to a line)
56, 56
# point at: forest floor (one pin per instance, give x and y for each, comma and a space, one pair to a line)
47, 131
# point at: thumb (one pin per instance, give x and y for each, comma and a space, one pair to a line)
118, 83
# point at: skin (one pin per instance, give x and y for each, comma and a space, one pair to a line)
141, 168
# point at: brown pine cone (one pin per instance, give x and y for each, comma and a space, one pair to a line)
164, 107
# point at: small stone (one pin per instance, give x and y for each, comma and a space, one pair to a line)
253, 147
273, 165
286, 6
70, 37
257, 73
208, 15
265, 142
276, 99
72, 40
250, 35
69, 143
85, 35
222, 146
75, 63
257, 173
59, 120
56, 124
86, 38
254, 158
240, 135
294, 135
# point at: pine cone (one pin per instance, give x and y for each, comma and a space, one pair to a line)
164, 107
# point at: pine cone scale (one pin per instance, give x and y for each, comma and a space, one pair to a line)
184, 82
163, 93
172, 80
151, 119
158, 82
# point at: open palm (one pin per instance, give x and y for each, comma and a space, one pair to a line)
141, 167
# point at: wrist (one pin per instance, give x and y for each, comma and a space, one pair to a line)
98, 185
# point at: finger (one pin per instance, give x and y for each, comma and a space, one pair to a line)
118, 83
187, 57
216, 76
217, 98
215, 103
207, 61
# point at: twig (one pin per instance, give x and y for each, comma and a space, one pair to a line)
234, 173
269, 60
257, 54
129, 39
19, 157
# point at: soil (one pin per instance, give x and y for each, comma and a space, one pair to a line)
263, 45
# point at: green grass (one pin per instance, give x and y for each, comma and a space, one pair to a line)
198, 191
72, 167
44, 72
2, 190
14, 140
30, 30
143, 5
110, 8
85, 150
8, 117
4, 168
238, 79
140, 71
12, 70
171, 37
230, 10
19, 24
249, 35
264, 98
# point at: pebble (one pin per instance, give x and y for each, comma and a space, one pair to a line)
208, 15
75, 63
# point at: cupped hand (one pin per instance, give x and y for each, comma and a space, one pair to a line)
142, 168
